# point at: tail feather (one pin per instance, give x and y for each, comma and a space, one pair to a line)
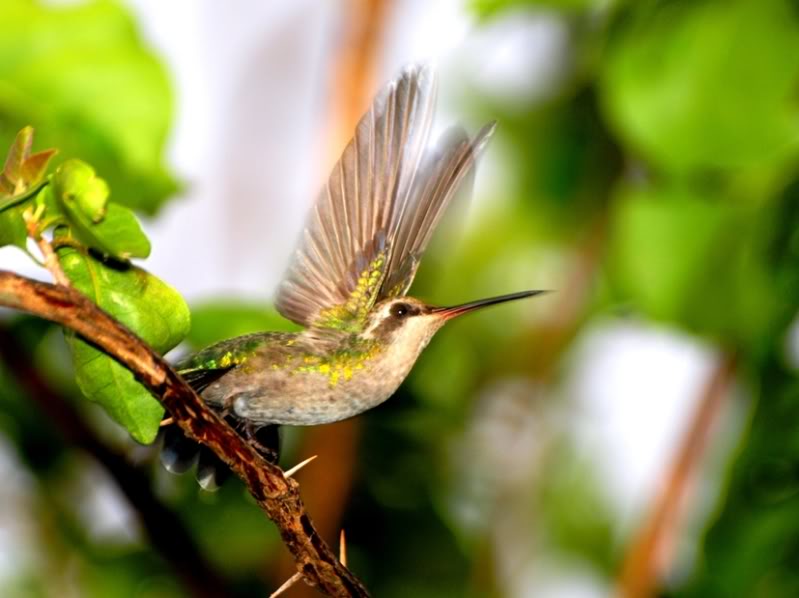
179, 453
211, 470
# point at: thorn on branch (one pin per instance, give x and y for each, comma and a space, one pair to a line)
289, 582
290, 472
342, 548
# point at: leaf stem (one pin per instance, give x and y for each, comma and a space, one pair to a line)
32, 220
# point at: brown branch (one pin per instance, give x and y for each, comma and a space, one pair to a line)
647, 556
277, 495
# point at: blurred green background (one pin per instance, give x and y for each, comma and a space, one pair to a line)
650, 179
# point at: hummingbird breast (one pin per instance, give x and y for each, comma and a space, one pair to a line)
288, 381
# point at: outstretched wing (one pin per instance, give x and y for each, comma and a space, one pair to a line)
341, 260
446, 171
373, 219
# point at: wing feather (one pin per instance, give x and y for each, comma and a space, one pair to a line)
440, 178
374, 217
337, 269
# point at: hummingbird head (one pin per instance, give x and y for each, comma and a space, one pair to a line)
408, 324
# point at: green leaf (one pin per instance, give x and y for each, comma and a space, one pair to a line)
119, 235
107, 227
51, 207
13, 230
23, 172
81, 190
706, 84
150, 308
81, 74
35, 166
19, 150
12, 227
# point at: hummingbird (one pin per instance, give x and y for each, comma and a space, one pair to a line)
346, 285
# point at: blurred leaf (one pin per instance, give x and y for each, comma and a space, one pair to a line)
107, 227
151, 309
12, 227
752, 545
394, 493
226, 515
81, 75
489, 8
563, 159
218, 320
706, 84
662, 241
445, 388
577, 515
684, 258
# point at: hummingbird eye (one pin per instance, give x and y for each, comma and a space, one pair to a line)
399, 310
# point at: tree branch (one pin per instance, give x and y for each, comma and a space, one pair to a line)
277, 495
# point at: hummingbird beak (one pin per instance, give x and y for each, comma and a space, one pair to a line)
458, 310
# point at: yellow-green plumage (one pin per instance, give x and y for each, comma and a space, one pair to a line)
307, 377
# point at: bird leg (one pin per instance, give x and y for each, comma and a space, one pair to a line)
264, 438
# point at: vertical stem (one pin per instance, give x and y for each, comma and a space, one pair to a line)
649, 554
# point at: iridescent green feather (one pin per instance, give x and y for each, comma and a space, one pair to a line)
223, 355
351, 316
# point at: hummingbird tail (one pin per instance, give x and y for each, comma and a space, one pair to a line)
211, 470
179, 453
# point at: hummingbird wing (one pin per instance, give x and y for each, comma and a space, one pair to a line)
205, 367
374, 218
445, 172
336, 273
